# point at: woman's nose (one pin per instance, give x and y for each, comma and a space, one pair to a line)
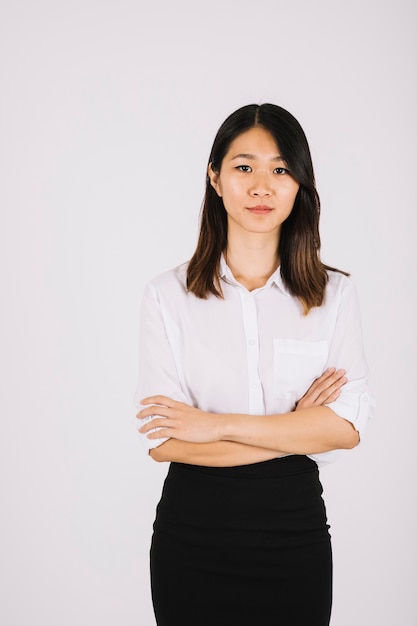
261, 186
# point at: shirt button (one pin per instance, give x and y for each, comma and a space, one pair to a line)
252, 342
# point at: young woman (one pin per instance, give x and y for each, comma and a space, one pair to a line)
241, 388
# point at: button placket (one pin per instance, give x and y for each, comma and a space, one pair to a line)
250, 325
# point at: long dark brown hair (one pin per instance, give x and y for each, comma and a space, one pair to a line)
299, 245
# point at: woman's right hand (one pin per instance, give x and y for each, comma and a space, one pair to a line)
323, 390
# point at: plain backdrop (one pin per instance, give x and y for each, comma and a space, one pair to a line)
108, 112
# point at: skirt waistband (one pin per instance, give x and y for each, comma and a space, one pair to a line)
275, 468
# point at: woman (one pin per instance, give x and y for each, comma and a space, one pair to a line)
242, 390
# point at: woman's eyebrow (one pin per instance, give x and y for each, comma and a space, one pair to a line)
252, 156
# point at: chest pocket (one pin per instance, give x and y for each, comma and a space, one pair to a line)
296, 365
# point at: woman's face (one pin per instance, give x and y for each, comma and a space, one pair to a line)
254, 182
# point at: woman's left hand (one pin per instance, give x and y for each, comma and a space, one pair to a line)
179, 421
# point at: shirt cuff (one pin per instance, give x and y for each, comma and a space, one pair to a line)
354, 407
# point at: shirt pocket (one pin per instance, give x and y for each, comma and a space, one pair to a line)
296, 365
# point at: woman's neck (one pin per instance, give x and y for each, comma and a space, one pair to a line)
252, 262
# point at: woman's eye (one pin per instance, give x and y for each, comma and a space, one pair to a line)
281, 170
244, 168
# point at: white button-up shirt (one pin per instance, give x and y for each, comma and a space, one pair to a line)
253, 352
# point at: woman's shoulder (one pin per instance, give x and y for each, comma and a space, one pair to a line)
171, 280
340, 283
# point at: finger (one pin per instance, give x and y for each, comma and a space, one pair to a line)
153, 409
329, 391
334, 396
326, 381
162, 433
158, 422
329, 372
329, 377
162, 400
319, 392
321, 383
149, 412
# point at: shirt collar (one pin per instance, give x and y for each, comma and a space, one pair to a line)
225, 271
276, 278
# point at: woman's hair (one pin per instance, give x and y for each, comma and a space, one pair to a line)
299, 246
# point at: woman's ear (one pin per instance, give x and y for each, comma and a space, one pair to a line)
214, 180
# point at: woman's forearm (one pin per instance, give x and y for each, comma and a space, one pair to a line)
312, 428
217, 454
308, 431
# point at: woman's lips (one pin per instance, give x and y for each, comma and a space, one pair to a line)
260, 209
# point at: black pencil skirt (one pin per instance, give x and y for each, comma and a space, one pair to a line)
242, 546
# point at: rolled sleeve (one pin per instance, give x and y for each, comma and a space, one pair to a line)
355, 402
357, 408
158, 372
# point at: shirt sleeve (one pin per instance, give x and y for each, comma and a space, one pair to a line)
355, 403
157, 368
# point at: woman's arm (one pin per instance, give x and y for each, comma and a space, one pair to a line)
241, 439
308, 431
217, 454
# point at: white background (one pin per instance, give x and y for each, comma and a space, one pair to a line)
108, 112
